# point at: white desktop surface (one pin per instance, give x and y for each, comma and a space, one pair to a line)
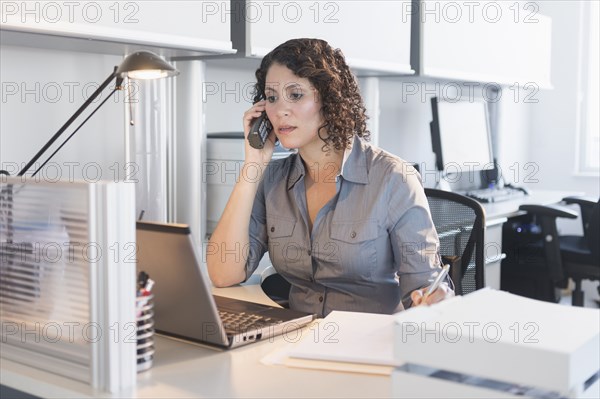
537, 197
185, 370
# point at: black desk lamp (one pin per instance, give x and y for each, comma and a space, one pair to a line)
139, 65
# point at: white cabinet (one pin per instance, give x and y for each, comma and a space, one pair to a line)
193, 27
373, 35
504, 42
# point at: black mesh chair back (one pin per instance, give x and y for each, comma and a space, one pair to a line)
460, 224
592, 230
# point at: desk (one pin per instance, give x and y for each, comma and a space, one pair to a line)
509, 209
187, 370
496, 214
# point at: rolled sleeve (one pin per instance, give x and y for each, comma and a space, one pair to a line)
257, 232
413, 236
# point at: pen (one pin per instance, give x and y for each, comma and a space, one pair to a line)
437, 281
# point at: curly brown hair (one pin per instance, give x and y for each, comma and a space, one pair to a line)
341, 104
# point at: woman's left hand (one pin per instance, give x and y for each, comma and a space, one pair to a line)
443, 292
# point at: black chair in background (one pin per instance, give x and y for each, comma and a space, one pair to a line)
460, 224
544, 261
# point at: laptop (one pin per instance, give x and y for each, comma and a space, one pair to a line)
184, 306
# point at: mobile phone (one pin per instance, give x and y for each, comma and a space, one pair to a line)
260, 130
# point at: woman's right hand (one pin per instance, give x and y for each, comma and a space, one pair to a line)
260, 156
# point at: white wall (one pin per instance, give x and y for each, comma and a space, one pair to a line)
554, 120
404, 123
227, 94
512, 139
536, 141
41, 89
406, 113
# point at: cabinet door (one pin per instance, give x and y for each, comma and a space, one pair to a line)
373, 35
191, 25
506, 42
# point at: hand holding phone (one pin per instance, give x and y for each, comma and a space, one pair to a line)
259, 131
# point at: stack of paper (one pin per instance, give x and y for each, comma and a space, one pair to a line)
500, 336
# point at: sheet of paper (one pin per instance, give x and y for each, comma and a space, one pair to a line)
351, 337
320, 331
364, 343
339, 366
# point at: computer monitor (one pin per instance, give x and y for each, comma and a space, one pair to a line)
460, 136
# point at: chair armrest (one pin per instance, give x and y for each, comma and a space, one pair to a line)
586, 205
554, 211
580, 200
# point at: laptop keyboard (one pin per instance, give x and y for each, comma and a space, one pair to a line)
236, 322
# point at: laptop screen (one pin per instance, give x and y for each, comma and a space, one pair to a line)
184, 305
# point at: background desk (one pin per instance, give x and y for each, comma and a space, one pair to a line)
496, 214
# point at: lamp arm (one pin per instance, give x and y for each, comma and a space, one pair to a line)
70, 121
76, 130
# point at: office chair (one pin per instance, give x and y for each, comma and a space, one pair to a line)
460, 224
574, 257
275, 286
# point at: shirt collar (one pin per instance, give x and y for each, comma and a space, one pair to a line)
297, 171
354, 165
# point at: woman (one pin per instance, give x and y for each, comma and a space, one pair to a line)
346, 223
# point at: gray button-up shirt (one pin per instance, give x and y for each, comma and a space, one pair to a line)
371, 245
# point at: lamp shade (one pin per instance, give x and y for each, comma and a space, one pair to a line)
145, 65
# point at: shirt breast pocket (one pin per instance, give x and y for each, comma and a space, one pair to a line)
357, 249
283, 248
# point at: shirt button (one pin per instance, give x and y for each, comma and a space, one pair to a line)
353, 234
321, 298
273, 229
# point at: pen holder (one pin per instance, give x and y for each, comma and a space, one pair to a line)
144, 306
